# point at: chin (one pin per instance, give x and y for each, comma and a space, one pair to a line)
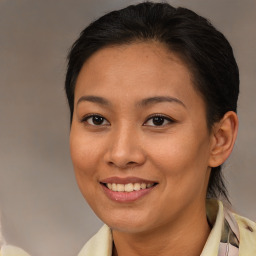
131, 228
128, 221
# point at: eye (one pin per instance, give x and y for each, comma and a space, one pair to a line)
95, 120
158, 120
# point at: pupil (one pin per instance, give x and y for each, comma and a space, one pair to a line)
157, 120
97, 120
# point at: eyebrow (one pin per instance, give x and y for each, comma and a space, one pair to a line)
142, 103
94, 99
159, 99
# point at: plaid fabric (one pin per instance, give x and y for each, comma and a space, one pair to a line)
229, 244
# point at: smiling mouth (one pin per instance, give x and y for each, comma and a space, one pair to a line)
129, 187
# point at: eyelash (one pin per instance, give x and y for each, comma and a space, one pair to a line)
87, 117
168, 119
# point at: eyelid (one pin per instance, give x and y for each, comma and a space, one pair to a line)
87, 116
169, 119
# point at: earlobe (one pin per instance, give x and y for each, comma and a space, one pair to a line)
223, 139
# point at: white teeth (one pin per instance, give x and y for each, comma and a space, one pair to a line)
136, 186
143, 185
113, 187
120, 187
128, 187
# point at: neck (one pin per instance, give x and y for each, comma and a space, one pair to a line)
186, 236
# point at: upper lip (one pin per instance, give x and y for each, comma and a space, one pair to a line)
126, 180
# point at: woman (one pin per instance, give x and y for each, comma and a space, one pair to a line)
153, 92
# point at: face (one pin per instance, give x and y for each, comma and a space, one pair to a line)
139, 139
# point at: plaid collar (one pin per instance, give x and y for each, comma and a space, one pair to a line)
224, 238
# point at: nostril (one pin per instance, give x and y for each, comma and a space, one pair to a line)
131, 163
124, 159
123, 164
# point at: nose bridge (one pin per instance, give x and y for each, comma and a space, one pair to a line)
125, 149
123, 141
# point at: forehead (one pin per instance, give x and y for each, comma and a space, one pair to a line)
138, 69
142, 54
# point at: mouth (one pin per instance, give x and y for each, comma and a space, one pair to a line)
127, 189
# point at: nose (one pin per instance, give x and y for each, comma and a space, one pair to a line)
124, 149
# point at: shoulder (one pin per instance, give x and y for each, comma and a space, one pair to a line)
9, 250
247, 230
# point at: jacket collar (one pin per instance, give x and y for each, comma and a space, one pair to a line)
222, 241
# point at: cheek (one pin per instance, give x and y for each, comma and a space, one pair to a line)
84, 154
185, 176
181, 157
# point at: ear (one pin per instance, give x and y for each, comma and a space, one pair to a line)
224, 135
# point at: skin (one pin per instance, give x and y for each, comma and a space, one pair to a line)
178, 155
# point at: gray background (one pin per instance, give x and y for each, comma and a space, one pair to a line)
42, 209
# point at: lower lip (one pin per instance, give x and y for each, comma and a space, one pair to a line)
124, 197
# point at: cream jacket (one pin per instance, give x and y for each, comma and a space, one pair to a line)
231, 235
8, 250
